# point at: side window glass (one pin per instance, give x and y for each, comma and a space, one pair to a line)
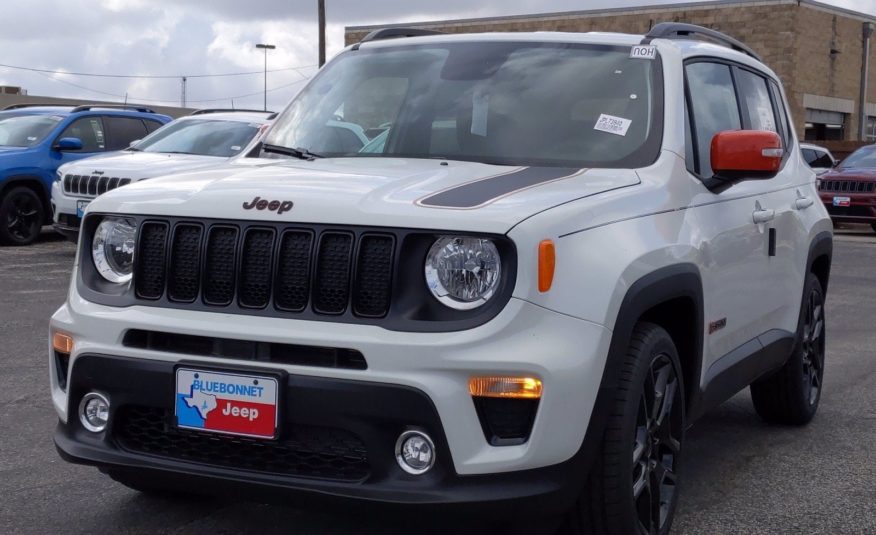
151, 126
822, 160
810, 156
89, 130
121, 131
713, 105
757, 105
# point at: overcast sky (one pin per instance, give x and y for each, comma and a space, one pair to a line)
187, 37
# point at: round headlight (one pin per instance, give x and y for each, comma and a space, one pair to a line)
463, 272
113, 249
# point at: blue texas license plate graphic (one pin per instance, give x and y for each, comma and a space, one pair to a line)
226, 403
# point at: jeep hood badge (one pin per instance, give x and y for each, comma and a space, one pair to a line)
275, 206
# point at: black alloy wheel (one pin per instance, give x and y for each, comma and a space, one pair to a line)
812, 346
21, 217
657, 446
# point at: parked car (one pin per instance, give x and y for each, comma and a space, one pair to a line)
818, 158
849, 191
521, 316
202, 139
35, 140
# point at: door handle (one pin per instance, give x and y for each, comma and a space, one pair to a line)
763, 216
803, 203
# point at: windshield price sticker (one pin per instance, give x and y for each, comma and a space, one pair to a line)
643, 52
613, 125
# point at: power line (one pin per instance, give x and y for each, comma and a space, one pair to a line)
160, 101
151, 76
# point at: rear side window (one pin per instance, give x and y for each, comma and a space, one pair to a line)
810, 156
822, 159
713, 108
121, 131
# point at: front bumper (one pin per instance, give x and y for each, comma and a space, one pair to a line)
64, 214
861, 208
342, 419
566, 353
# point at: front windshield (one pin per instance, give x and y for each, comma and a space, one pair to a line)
863, 157
511, 103
26, 130
200, 136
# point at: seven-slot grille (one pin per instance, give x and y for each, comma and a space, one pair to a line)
254, 267
848, 186
92, 185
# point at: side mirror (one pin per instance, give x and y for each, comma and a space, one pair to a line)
68, 144
746, 155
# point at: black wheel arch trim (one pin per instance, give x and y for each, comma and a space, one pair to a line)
821, 246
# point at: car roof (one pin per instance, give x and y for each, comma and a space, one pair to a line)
235, 116
65, 111
688, 47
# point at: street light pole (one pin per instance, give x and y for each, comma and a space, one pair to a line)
266, 47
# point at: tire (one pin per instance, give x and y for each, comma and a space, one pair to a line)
21, 217
641, 426
790, 396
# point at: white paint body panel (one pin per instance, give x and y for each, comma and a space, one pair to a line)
610, 226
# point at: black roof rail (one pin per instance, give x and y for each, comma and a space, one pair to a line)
35, 105
393, 33
226, 110
89, 107
669, 30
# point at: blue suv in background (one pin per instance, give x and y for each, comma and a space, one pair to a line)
35, 140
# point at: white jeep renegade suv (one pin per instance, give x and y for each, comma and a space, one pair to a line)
567, 248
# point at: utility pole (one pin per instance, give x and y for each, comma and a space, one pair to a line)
321, 10
182, 96
266, 47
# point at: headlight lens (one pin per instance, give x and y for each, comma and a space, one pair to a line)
463, 272
113, 249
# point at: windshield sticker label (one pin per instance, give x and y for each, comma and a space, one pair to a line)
236, 147
643, 52
480, 105
613, 125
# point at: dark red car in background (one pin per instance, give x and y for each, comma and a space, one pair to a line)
849, 190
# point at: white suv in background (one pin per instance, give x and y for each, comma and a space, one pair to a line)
202, 139
565, 249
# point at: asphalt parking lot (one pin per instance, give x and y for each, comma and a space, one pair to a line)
740, 476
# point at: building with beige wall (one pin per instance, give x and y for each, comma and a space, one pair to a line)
818, 50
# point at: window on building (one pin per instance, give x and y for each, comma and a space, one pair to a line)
870, 131
823, 125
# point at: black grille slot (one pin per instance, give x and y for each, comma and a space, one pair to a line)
304, 451
207, 346
505, 421
293, 270
371, 295
185, 263
92, 185
151, 265
331, 291
221, 261
256, 267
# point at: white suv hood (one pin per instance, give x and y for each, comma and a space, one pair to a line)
391, 192
139, 165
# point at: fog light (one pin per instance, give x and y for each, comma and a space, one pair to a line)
415, 452
94, 412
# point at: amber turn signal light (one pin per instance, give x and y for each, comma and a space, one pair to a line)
62, 343
547, 261
505, 387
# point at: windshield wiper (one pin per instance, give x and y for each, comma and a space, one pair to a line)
301, 154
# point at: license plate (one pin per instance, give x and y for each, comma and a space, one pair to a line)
226, 403
80, 208
842, 201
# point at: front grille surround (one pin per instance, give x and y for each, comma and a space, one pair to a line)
384, 286
91, 185
848, 186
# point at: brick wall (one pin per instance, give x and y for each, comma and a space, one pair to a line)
794, 40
